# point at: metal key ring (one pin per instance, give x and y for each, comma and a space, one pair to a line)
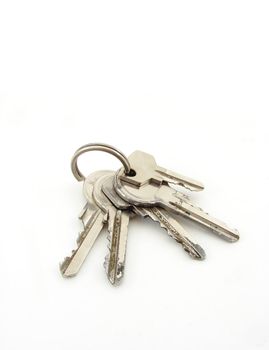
98, 147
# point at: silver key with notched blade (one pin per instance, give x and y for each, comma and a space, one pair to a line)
145, 170
160, 215
141, 188
153, 194
93, 221
117, 221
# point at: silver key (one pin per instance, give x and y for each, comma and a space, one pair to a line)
160, 215
118, 221
93, 221
152, 194
145, 170
141, 188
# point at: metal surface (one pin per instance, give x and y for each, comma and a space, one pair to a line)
98, 147
151, 195
141, 188
93, 222
159, 215
118, 221
97, 212
146, 170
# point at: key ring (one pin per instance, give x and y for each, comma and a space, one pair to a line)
98, 147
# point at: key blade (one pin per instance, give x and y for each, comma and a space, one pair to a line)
172, 177
118, 232
190, 211
86, 214
71, 265
174, 229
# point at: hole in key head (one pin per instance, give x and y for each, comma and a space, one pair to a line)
131, 173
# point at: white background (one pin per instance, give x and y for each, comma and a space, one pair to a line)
184, 80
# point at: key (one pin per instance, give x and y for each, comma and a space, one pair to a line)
117, 221
93, 221
152, 194
146, 170
160, 215
141, 188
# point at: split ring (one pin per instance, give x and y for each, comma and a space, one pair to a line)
98, 147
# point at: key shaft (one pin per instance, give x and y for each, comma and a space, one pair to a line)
174, 230
92, 218
87, 237
117, 232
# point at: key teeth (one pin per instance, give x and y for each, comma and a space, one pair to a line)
109, 239
83, 211
185, 198
120, 272
220, 228
79, 238
106, 262
64, 265
116, 281
199, 253
109, 247
107, 257
82, 216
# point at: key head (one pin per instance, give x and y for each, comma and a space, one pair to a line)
99, 197
90, 206
163, 217
140, 196
144, 165
90, 182
146, 171
109, 191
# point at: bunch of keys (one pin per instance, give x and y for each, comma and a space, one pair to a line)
140, 187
